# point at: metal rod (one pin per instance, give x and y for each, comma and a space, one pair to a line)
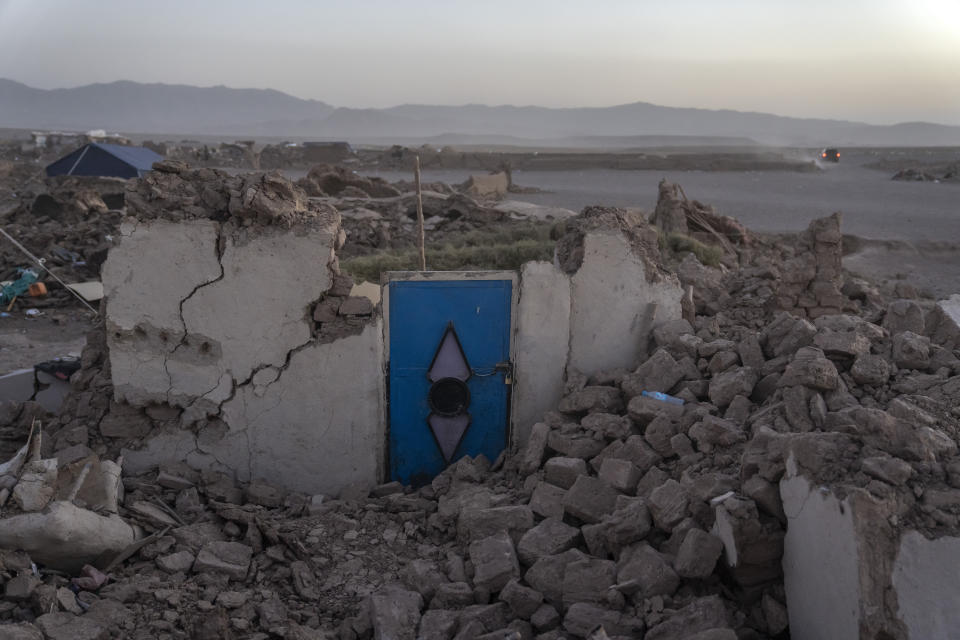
416, 177
51, 273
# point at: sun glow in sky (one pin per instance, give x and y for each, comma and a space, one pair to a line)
879, 61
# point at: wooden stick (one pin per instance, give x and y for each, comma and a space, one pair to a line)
133, 548
78, 483
416, 178
10, 306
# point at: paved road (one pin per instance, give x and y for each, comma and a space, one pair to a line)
873, 206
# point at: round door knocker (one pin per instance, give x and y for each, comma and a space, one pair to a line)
449, 397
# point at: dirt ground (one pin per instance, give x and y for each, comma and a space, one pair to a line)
26, 341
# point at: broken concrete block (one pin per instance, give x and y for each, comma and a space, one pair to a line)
588, 581
774, 614
523, 601
574, 446
870, 369
547, 500
356, 306
550, 537
796, 406
668, 504
395, 614
651, 480
64, 536
423, 576
536, 448
622, 475
723, 360
637, 451
698, 554
786, 334
264, 495
767, 496
750, 351
593, 539
547, 574
904, 315
630, 523
20, 587
752, 548
545, 618
911, 351
22, 631
593, 399
701, 615
67, 626
810, 368
174, 562
643, 410
891, 470
438, 624
563, 472
475, 524
590, 499
716, 432
724, 387
666, 333
582, 618
452, 595
607, 425
660, 372
842, 344
37, 484
645, 571
658, 434
494, 562
489, 616
229, 558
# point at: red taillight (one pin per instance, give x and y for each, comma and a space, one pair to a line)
823, 155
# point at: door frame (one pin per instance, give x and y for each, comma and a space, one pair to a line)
444, 276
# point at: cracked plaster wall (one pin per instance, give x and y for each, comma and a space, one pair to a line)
543, 333
314, 426
598, 318
849, 572
614, 307
216, 320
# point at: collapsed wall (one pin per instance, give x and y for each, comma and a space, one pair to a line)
594, 309
231, 341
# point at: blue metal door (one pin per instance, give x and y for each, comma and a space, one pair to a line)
449, 368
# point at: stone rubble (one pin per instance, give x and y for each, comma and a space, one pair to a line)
646, 518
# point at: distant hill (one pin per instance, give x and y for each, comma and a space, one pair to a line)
149, 108
131, 107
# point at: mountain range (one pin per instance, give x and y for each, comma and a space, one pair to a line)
137, 108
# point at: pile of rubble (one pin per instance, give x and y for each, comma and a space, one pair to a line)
69, 222
947, 173
647, 505
327, 180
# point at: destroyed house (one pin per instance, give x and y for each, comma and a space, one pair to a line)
109, 160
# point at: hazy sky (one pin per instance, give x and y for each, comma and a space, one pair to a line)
880, 61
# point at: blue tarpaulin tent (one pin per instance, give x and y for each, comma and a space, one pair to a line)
96, 159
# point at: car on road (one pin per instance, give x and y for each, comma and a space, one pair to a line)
830, 155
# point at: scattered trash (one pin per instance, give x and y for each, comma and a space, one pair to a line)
663, 397
89, 291
19, 287
33, 313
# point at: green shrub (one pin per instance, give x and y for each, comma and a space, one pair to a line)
679, 243
448, 257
